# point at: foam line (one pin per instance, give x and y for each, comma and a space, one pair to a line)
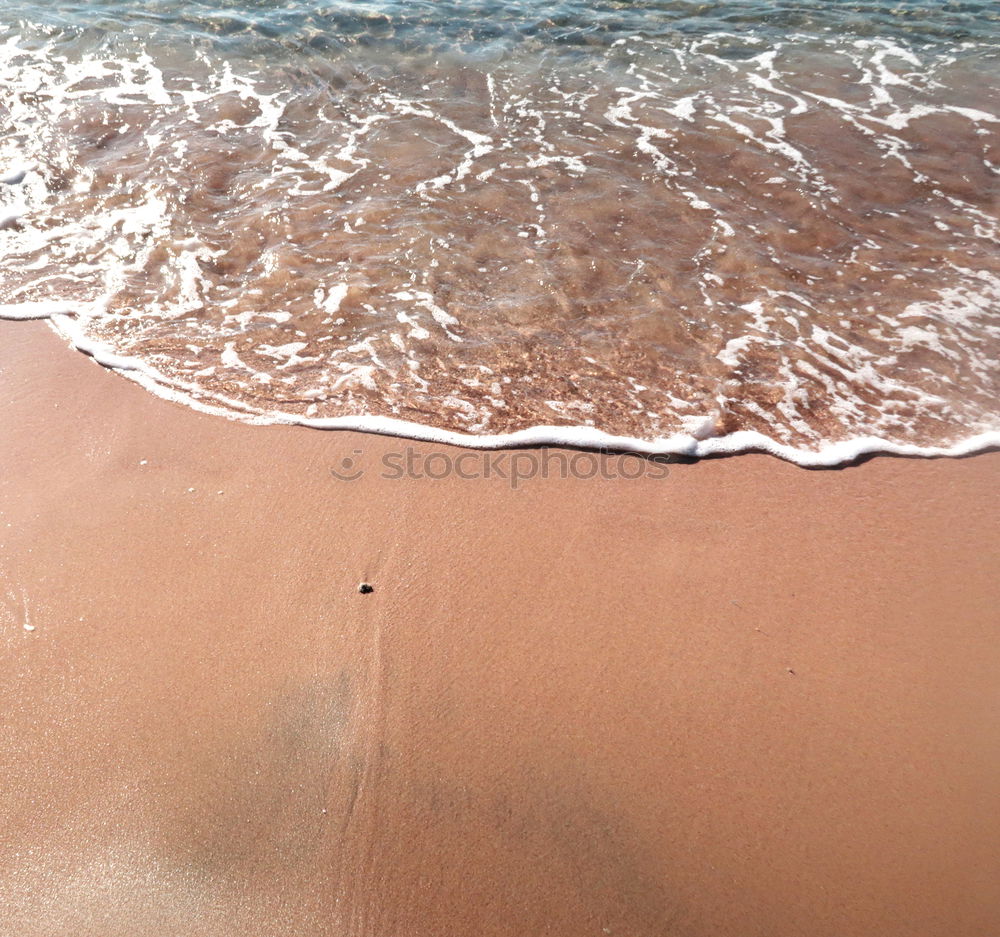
479, 244
681, 444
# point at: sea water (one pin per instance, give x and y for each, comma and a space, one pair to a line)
665, 226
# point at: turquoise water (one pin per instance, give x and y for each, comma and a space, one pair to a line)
488, 27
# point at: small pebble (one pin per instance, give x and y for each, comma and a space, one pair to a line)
365, 588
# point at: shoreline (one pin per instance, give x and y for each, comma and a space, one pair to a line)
686, 445
739, 699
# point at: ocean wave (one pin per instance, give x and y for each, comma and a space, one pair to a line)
658, 246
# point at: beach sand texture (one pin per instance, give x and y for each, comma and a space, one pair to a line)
745, 699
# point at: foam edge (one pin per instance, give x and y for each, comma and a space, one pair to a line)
61, 318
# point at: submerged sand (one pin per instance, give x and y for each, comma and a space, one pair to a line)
741, 699
650, 237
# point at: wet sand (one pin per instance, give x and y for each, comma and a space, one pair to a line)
657, 237
745, 699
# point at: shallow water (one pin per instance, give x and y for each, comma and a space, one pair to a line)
661, 221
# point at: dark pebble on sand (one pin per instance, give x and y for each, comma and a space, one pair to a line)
365, 588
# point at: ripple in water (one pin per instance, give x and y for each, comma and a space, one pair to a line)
652, 236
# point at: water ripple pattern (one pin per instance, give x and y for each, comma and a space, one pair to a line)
638, 224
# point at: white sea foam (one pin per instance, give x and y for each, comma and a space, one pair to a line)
695, 444
508, 254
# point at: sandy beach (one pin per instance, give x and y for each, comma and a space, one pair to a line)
734, 697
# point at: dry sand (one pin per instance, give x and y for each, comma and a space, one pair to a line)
745, 699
